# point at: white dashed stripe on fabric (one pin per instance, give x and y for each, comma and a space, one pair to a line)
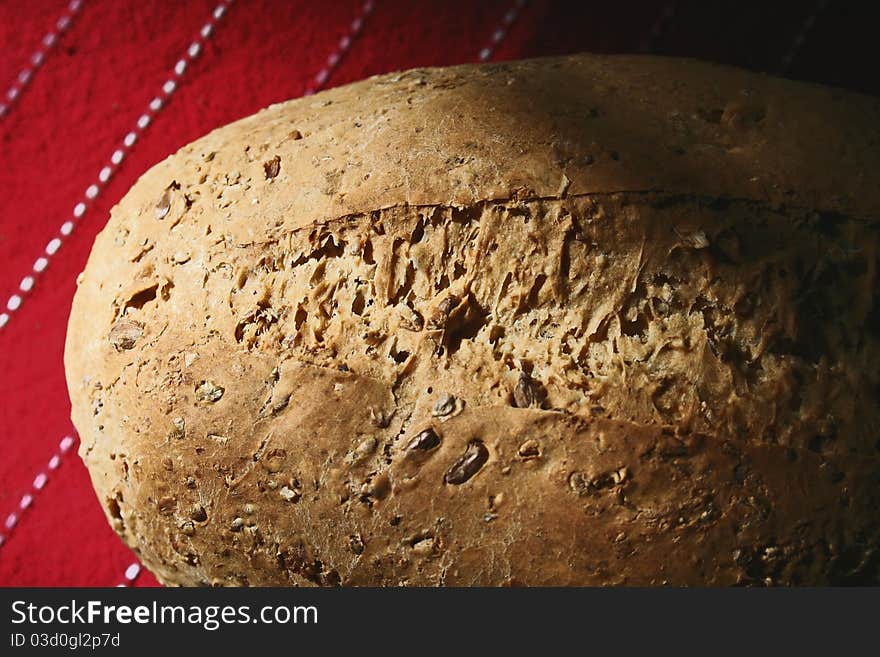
27, 499
92, 192
357, 26
36, 60
801, 37
500, 32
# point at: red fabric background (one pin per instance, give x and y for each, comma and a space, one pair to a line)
99, 78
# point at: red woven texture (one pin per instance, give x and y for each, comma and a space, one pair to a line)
99, 77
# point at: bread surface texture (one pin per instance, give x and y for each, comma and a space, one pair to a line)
589, 320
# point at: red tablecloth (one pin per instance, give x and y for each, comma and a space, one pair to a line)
94, 92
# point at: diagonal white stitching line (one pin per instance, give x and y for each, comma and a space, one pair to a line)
801, 37
39, 482
26, 74
661, 25
502, 30
93, 191
357, 26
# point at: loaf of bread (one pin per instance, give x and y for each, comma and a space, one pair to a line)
574, 321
